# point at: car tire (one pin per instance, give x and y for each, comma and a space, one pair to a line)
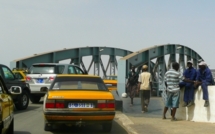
23, 101
106, 127
11, 128
35, 99
46, 127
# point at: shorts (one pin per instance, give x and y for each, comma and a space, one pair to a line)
172, 100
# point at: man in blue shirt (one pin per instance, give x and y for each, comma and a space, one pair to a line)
204, 78
189, 78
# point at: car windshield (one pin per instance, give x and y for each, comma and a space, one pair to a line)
78, 83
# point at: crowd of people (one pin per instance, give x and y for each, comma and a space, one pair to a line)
189, 80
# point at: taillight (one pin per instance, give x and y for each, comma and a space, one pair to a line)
28, 78
59, 105
51, 78
54, 104
106, 104
50, 105
110, 105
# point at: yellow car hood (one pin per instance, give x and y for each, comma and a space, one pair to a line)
85, 95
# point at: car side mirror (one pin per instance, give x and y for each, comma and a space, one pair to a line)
15, 90
44, 89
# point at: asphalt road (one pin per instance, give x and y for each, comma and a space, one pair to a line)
31, 121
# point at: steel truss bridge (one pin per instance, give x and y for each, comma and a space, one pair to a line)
155, 57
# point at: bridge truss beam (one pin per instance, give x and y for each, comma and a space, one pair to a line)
75, 55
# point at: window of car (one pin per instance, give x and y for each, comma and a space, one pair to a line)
78, 83
46, 69
71, 70
78, 70
18, 75
42, 69
60, 69
8, 75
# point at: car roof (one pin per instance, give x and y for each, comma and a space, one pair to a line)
54, 64
77, 75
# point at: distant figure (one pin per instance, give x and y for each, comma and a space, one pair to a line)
190, 76
172, 78
132, 84
145, 86
204, 78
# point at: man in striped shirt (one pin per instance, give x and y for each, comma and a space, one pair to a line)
172, 79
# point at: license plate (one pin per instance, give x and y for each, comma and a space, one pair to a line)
80, 105
39, 80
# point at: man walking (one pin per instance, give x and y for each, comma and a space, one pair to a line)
145, 86
204, 78
190, 76
172, 78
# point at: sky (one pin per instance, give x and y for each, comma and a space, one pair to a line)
29, 27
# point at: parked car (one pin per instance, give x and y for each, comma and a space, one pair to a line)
78, 100
7, 107
111, 82
21, 100
42, 75
20, 73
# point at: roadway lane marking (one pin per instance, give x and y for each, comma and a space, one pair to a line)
126, 122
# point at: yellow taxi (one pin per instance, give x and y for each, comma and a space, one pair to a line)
111, 82
7, 107
20, 73
78, 100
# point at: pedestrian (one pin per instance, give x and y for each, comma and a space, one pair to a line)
145, 87
204, 78
188, 84
172, 78
132, 84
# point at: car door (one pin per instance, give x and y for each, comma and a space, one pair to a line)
8, 76
5, 105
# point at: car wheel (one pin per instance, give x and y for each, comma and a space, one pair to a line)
35, 99
107, 127
23, 101
11, 128
47, 127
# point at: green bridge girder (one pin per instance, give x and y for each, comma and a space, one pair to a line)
137, 59
75, 55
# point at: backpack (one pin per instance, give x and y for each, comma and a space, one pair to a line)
133, 79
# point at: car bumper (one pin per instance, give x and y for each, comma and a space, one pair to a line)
70, 116
35, 89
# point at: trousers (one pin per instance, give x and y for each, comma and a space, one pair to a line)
188, 91
205, 90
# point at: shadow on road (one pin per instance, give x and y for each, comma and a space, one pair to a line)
21, 132
91, 129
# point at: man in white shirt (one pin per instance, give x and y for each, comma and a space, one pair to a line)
145, 85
